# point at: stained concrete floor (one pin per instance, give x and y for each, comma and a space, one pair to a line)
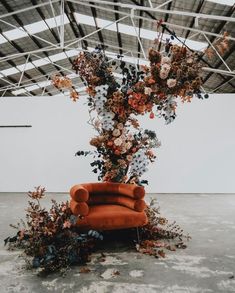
207, 265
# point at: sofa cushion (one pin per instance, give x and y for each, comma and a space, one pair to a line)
110, 217
98, 198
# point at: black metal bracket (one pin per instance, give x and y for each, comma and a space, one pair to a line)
15, 126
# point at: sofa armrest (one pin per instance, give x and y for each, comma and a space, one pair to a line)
79, 193
79, 208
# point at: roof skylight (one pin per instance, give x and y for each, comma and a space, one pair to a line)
129, 30
32, 28
15, 34
36, 27
9, 71
224, 2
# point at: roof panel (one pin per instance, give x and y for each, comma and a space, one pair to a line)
105, 14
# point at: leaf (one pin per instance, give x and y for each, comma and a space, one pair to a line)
181, 245
171, 248
84, 270
6, 241
36, 262
161, 253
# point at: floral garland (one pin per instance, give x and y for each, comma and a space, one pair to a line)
123, 149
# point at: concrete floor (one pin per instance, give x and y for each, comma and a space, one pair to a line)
207, 265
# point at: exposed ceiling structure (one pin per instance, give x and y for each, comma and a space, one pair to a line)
40, 38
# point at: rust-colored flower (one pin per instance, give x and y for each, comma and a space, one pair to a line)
74, 95
91, 90
67, 224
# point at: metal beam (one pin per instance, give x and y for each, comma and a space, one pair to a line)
199, 7
119, 37
71, 9
140, 22
163, 11
94, 14
165, 19
222, 84
16, 46
26, 8
219, 63
151, 18
94, 32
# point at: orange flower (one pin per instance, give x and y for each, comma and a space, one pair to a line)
150, 153
149, 107
137, 96
67, 224
74, 95
145, 68
186, 99
150, 81
91, 91
141, 108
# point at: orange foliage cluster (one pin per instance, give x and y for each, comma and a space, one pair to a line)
63, 82
221, 45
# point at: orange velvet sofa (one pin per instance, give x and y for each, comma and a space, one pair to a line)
108, 206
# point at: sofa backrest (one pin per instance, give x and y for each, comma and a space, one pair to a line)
131, 190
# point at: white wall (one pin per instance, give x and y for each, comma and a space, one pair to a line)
197, 153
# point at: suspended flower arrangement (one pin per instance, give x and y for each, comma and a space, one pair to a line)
123, 149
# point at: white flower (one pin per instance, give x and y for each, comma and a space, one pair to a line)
118, 141
165, 68
130, 136
116, 132
99, 109
107, 115
171, 82
166, 60
139, 163
129, 158
120, 126
128, 145
147, 90
163, 74
190, 60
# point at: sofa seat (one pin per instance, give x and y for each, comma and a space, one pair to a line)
110, 217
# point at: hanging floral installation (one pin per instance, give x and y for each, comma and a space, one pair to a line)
123, 148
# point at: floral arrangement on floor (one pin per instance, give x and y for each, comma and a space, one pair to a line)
51, 241
123, 148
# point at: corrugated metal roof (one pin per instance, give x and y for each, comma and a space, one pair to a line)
117, 38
